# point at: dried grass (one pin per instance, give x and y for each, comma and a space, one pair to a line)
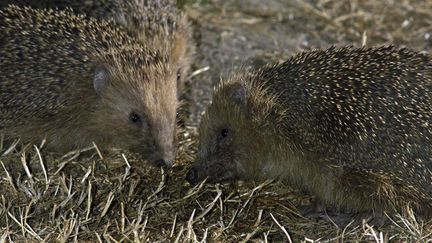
83, 196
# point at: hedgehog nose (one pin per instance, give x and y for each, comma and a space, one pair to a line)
163, 163
192, 176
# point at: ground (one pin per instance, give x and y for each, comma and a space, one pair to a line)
89, 196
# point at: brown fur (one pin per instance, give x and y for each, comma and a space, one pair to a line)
351, 126
49, 61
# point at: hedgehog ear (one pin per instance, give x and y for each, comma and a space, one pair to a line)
238, 94
100, 80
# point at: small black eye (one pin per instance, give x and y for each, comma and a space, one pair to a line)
178, 75
224, 133
135, 118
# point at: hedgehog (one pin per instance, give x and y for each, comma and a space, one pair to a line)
351, 126
155, 23
74, 80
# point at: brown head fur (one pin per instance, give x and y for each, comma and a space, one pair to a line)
351, 126
75, 81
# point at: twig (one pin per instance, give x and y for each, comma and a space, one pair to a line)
282, 228
42, 164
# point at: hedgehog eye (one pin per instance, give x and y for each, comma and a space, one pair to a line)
224, 133
178, 75
134, 118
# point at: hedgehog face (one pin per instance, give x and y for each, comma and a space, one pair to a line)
229, 143
137, 111
216, 156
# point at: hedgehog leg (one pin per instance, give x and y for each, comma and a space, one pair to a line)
353, 196
379, 191
316, 209
366, 190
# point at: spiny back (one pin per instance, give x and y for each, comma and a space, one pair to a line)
46, 55
363, 108
157, 24
153, 17
100, 9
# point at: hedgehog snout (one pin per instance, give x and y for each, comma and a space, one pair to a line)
164, 157
163, 163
